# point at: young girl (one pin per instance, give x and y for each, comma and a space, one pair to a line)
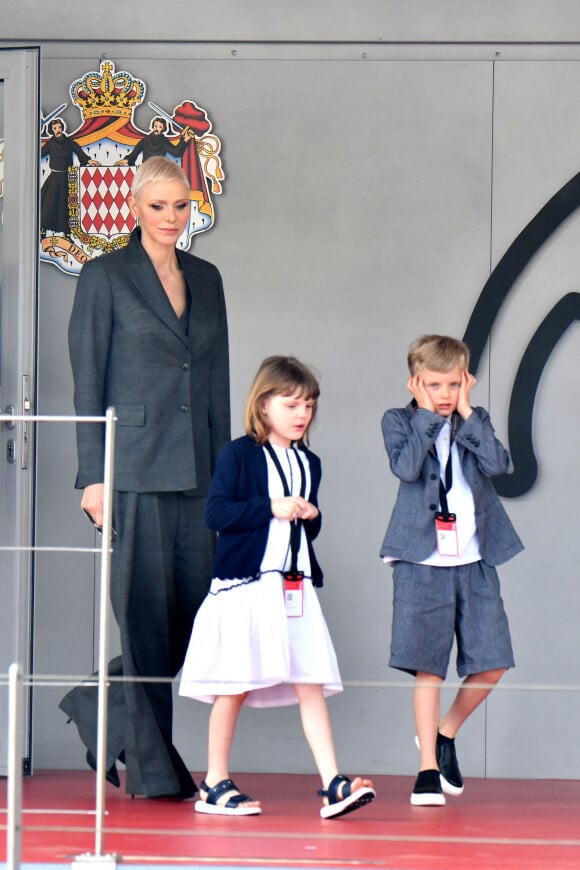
260, 637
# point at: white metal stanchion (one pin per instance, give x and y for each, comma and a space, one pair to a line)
16, 703
98, 856
15, 754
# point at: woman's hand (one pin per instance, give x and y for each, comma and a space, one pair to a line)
92, 502
293, 508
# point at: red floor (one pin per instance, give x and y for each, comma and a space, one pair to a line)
496, 824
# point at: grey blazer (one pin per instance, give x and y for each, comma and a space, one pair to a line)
410, 434
169, 384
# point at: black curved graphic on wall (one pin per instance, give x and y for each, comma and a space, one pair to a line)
521, 409
545, 339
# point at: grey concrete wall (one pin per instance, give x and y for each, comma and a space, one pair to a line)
369, 192
382, 21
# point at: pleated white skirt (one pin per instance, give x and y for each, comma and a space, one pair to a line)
243, 641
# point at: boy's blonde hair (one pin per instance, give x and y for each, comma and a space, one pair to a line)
158, 169
440, 353
278, 376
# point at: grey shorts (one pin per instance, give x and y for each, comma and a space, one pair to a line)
432, 605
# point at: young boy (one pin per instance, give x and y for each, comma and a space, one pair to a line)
447, 532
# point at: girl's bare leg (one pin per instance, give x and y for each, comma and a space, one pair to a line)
222, 726
318, 733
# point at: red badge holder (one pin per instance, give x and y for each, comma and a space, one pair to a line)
294, 593
446, 531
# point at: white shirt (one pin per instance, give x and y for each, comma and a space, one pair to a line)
460, 502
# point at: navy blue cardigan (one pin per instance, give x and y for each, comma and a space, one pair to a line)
239, 508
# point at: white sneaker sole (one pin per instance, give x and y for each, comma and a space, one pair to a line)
454, 790
427, 799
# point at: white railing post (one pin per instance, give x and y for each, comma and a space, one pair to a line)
15, 755
104, 630
102, 681
16, 702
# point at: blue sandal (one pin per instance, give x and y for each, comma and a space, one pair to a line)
341, 799
231, 807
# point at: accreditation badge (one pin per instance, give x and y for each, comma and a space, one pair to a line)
294, 593
446, 531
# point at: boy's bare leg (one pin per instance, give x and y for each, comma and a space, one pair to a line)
472, 692
426, 706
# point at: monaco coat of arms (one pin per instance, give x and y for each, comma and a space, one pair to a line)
86, 174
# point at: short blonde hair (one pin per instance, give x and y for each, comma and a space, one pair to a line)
158, 169
278, 376
440, 353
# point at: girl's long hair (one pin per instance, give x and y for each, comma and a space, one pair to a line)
278, 376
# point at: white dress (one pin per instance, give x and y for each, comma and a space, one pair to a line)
242, 639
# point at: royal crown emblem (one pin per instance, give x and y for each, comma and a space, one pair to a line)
86, 175
107, 93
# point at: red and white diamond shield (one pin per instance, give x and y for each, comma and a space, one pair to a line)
103, 194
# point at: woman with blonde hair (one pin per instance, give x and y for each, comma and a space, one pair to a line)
148, 335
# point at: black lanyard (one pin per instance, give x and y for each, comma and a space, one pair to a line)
444, 489
295, 525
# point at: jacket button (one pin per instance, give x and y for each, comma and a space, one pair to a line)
433, 477
185, 367
432, 507
184, 408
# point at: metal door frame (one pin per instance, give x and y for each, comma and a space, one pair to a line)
20, 75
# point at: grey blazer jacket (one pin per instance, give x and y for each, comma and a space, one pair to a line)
410, 434
169, 385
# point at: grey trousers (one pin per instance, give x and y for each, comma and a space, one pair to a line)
160, 573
